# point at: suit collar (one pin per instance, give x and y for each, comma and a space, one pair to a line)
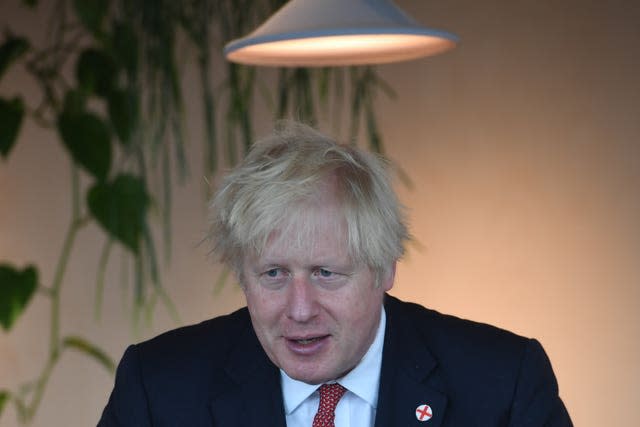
409, 376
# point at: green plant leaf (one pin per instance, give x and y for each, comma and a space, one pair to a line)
88, 139
11, 115
12, 49
75, 102
125, 47
96, 72
121, 207
4, 398
16, 289
84, 346
124, 113
91, 13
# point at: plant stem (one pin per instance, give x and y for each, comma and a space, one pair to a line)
54, 334
74, 226
102, 267
41, 384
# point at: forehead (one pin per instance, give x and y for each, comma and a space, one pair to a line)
314, 229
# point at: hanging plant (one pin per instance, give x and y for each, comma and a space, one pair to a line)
110, 85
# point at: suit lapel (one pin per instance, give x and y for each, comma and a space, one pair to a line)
409, 376
248, 394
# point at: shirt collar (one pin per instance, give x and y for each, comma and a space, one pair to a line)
363, 380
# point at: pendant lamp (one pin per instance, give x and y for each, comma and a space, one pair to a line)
307, 33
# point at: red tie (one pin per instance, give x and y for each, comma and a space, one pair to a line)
330, 394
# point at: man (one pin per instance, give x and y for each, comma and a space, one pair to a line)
313, 231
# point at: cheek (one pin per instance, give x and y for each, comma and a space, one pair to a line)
263, 309
353, 310
363, 310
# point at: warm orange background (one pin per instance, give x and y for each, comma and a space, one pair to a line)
523, 146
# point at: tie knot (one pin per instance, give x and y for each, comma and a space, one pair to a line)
330, 394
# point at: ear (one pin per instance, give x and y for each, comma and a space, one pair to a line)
389, 278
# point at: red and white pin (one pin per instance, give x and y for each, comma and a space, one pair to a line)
424, 412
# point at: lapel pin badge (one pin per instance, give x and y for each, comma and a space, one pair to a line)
424, 412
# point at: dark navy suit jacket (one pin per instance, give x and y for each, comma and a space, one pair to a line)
216, 374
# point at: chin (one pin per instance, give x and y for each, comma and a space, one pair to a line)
308, 377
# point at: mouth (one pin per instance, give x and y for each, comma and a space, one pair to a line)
305, 341
307, 346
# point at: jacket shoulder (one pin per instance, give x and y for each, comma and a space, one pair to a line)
467, 353
213, 335
446, 331
192, 355
168, 380
481, 366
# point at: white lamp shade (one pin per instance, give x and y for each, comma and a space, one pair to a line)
307, 33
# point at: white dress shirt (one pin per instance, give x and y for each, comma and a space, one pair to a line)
357, 408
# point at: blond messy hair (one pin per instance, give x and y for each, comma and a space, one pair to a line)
289, 168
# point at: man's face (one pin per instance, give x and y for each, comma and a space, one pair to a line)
314, 310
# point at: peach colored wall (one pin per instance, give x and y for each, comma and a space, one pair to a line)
523, 148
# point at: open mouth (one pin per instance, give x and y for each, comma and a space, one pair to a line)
308, 346
308, 340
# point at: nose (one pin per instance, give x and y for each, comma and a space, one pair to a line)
302, 303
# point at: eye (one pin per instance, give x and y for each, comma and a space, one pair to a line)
273, 272
324, 272
274, 277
